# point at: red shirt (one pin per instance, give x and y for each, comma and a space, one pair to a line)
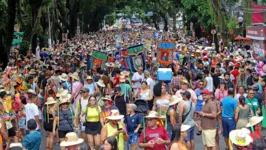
235, 73
152, 134
116, 80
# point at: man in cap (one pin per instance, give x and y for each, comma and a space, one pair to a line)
120, 101
208, 120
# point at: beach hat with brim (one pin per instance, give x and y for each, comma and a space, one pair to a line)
15, 145
71, 139
75, 76
254, 120
61, 92
30, 91
184, 127
83, 65
240, 137
63, 77
174, 100
89, 78
64, 99
115, 115
32, 72
50, 100
100, 83
107, 98
125, 73
122, 79
152, 114
184, 81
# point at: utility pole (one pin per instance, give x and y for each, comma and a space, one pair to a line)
49, 30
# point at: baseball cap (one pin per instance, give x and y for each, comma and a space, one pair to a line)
118, 89
206, 92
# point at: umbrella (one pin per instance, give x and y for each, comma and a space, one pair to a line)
240, 38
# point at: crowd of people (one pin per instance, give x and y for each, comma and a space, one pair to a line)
81, 105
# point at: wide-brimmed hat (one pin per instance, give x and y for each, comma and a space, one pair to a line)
50, 100
31, 91
122, 79
63, 77
152, 114
61, 92
83, 65
115, 115
184, 81
107, 98
75, 75
64, 98
221, 76
100, 83
184, 127
89, 78
13, 145
125, 73
71, 139
32, 72
174, 99
254, 120
240, 137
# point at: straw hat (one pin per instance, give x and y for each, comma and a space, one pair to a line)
122, 79
184, 127
61, 92
50, 100
83, 65
31, 91
254, 120
116, 65
115, 115
125, 73
71, 139
152, 114
107, 97
89, 78
100, 83
240, 137
32, 72
63, 77
184, 81
221, 76
75, 76
174, 99
64, 98
12, 145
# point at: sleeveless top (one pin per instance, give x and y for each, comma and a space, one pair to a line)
189, 119
65, 120
144, 95
209, 83
162, 106
169, 125
119, 138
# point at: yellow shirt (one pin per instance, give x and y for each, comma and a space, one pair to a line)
119, 138
93, 115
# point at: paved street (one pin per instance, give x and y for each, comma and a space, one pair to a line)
198, 143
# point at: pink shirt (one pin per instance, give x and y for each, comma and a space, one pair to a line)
77, 86
219, 95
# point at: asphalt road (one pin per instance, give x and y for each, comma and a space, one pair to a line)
198, 143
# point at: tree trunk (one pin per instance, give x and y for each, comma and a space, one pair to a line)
9, 31
165, 19
174, 22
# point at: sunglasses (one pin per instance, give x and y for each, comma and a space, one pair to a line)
64, 103
251, 93
200, 84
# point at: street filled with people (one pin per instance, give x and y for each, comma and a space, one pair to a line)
134, 89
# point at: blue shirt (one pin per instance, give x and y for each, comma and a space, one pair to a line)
32, 141
133, 122
229, 105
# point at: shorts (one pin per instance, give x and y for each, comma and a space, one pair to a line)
208, 137
48, 126
228, 126
93, 128
11, 132
190, 134
133, 138
62, 134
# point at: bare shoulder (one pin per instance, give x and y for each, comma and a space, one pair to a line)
174, 146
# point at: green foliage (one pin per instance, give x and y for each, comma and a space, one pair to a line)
232, 23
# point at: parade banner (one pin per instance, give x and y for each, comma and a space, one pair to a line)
165, 52
98, 60
133, 57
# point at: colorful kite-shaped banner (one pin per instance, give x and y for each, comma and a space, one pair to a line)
165, 52
98, 60
133, 57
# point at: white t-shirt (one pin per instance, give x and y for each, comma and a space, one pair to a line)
31, 111
238, 95
137, 76
151, 83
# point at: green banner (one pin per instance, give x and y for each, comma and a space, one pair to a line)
99, 55
135, 50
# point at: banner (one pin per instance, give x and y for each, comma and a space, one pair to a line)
98, 60
133, 57
165, 52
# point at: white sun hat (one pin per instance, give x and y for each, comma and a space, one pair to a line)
71, 139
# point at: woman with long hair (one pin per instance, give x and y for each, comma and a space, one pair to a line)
144, 92
221, 92
93, 122
179, 134
49, 115
110, 143
161, 100
242, 113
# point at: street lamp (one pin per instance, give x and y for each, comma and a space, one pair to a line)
240, 21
